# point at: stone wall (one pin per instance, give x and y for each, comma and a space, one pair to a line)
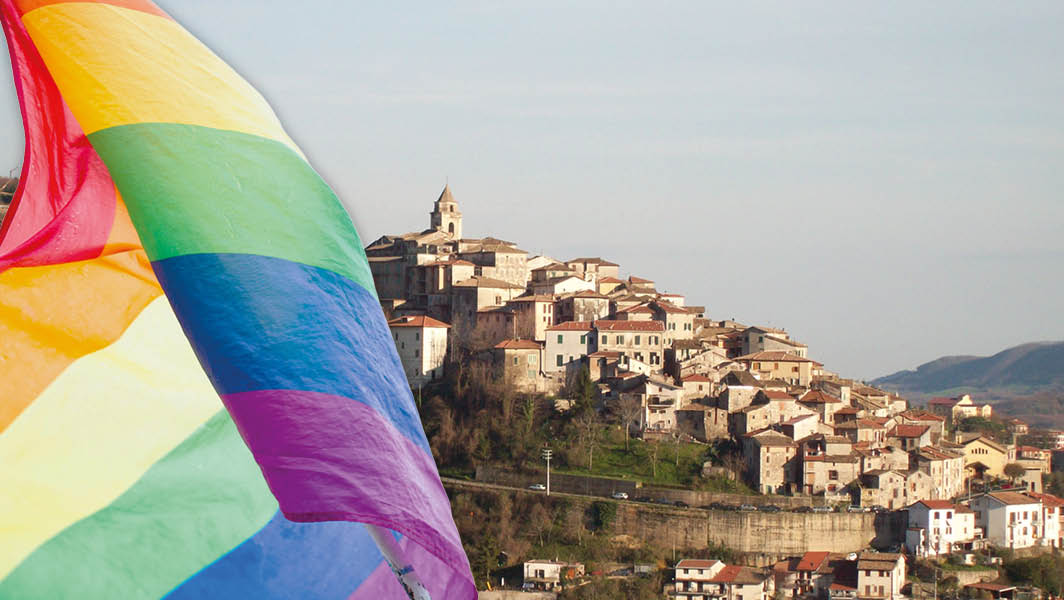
762, 538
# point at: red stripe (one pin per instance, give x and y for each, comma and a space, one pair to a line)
64, 208
25, 6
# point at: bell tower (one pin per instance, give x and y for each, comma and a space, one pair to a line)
445, 215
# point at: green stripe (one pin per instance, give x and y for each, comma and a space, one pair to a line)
201, 500
197, 190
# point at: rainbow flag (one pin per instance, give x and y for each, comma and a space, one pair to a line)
127, 414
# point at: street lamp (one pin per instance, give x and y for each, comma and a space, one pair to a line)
547, 455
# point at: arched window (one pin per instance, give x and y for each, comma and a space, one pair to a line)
450, 229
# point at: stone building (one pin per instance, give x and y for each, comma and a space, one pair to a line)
785, 366
641, 340
769, 460
567, 344
581, 306
445, 216
422, 346
520, 363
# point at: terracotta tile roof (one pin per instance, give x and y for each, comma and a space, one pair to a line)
629, 326
1047, 499
604, 354
488, 282
877, 560
593, 260
1012, 498
670, 308
736, 574
777, 395
771, 438
933, 453
638, 308
634, 279
610, 280
776, 356
940, 401
908, 431
417, 321
818, 397
921, 415
518, 345
811, 561
696, 378
848, 410
936, 504
571, 326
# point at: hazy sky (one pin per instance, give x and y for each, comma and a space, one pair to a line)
884, 180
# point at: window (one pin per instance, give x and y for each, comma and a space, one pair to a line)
531, 359
560, 338
833, 475
637, 340
794, 369
417, 353
515, 360
603, 339
583, 339
417, 336
620, 339
559, 358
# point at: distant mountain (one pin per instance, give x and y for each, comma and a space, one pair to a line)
1025, 369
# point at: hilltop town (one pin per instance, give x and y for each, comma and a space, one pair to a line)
662, 368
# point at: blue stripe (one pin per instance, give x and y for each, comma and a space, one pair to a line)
289, 560
263, 323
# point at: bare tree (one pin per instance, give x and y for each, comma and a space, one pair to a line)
589, 426
654, 459
629, 408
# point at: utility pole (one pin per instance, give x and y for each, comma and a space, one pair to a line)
547, 455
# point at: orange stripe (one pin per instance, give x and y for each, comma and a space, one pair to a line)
123, 237
51, 316
25, 6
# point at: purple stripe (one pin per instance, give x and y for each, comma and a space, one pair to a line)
441, 581
355, 465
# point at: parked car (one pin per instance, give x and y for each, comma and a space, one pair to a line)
804, 509
643, 499
682, 504
822, 509
716, 506
856, 509
662, 501
539, 487
878, 508
747, 507
769, 508
619, 495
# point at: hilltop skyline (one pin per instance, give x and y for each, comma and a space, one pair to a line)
881, 181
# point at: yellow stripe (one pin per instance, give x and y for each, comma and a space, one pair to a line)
96, 429
117, 66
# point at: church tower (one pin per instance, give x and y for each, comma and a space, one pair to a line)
445, 215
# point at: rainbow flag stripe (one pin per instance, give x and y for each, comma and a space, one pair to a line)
127, 416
